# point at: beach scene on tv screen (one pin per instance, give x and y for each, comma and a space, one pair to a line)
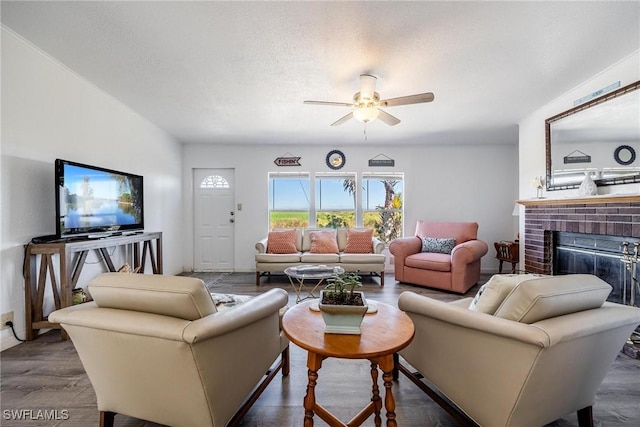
95, 199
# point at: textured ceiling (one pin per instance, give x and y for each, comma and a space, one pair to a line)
238, 72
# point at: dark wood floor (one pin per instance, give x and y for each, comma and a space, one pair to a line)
46, 374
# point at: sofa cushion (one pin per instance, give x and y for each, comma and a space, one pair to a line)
176, 296
429, 261
308, 257
438, 245
491, 294
323, 242
275, 258
542, 298
359, 241
362, 258
282, 242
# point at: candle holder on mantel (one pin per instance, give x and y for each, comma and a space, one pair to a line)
538, 184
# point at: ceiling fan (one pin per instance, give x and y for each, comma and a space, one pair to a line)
366, 103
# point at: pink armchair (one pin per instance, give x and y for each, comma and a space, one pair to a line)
456, 272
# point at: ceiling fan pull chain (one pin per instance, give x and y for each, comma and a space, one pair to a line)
365, 132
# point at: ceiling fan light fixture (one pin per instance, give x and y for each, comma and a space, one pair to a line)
366, 114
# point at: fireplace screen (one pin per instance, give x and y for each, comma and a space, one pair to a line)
613, 259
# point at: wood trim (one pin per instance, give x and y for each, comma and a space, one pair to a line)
283, 364
585, 417
107, 418
457, 414
581, 200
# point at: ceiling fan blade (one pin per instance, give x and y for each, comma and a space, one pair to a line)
405, 100
343, 119
367, 85
335, 104
388, 118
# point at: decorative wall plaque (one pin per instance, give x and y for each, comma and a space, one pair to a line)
577, 156
381, 160
287, 160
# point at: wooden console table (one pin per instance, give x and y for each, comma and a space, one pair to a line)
71, 259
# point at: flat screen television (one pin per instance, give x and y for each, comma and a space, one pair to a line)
91, 200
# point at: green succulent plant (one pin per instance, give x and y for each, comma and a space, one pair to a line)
340, 286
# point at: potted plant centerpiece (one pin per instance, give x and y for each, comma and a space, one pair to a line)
342, 307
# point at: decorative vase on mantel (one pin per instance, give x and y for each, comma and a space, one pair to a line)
588, 186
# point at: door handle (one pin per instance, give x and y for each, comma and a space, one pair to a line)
231, 220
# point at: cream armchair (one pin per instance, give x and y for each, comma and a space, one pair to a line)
155, 348
527, 354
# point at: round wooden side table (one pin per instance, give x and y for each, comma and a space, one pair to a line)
383, 334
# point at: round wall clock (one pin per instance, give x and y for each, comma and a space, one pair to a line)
624, 155
336, 159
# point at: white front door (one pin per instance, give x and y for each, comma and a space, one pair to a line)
214, 219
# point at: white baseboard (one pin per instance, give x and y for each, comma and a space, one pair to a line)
8, 340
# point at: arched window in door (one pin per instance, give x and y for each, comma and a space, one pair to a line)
214, 182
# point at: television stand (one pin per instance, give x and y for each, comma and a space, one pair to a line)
71, 256
101, 235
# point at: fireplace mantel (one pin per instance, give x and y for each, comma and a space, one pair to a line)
609, 198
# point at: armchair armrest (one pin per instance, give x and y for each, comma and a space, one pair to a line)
261, 246
234, 318
403, 247
458, 316
468, 252
378, 245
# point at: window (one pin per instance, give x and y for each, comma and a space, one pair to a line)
382, 200
335, 200
214, 181
288, 200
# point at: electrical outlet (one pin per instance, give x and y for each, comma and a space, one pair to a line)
6, 317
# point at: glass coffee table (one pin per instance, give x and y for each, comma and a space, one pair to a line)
315, 273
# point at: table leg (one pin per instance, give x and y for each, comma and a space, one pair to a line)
377, 402
314, 363
301, 287
296, 289
386, 364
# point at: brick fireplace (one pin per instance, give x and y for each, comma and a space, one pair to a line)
600, 215
607, 221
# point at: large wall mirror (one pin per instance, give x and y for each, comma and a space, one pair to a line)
600, 137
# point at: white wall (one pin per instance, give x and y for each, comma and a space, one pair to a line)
442, 182
532, 133
532, 130
48, 112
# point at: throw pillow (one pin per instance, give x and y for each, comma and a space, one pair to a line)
324, 242
546, 297
491, 294
438, 245
282, 242
359, 241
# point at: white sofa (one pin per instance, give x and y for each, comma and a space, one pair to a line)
267, 263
